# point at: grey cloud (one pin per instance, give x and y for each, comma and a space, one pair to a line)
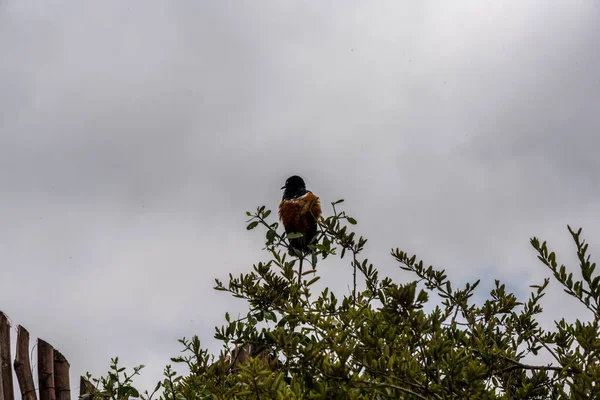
134, 136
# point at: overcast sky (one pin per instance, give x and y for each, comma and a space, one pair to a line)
135, 134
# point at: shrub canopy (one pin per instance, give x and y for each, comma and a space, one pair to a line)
380, 342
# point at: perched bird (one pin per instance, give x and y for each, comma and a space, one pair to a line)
299, 211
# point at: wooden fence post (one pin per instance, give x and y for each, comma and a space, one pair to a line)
1, 385
5, 361
61, 376
23, 365
45, 370
53, 367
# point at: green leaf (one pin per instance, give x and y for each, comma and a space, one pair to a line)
271, 234
252, 225
351, 220
270, 316
294, 235
313, 280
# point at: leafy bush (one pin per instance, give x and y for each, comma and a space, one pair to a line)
380, 343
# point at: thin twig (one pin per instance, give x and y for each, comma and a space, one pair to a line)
519, 365
354, 277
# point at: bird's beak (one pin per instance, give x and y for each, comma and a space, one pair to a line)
283, 187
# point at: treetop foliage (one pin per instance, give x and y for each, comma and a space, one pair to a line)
379, 342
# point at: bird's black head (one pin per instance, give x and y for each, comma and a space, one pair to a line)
294, 187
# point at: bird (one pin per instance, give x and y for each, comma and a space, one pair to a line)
299, 212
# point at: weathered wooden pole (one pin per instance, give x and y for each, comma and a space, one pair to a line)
23, 365
46, 370
1, 385
6, 378
61, 376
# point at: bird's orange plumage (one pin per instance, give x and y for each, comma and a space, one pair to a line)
300, 214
